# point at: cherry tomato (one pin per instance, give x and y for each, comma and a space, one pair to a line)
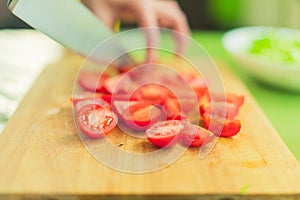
173, 109
164, 133
99, 102
229, 110
92, 81
141, 115
109, 98
119, 84
228, 127
152, 92
196, 136
95, 121
238, 100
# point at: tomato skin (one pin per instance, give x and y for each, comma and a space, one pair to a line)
230, 128
238, 100
119, 84
165, 133
196, 136
229, 110
152, 92
92, 82
95, 121
137, 115
173, 109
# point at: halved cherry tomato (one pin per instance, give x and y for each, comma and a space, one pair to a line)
95, 121
152, 92
164, 133
110, 98
173, 109
99, 102
92, 81
141, 115
229, 110
227, 127
119, 84
238, 100
196, 136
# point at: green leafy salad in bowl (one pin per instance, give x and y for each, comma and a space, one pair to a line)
269, 54
277, 46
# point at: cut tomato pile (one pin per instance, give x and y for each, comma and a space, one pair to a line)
155, 109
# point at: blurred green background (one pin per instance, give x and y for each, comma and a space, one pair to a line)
215, 14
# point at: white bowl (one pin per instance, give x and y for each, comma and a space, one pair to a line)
284, 75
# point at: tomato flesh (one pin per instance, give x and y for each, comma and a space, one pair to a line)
141, 115
173, 109
229, 110
238, 100
92, 81
228, 127
164, 133
95, 121
196, 136
152, 92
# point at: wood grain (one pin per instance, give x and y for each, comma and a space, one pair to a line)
42, 155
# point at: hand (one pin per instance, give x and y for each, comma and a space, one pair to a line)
147, 13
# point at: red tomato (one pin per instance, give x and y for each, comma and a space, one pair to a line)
95, 121
92, 81
196, 136
173, 109
230, 110
120, 84
164, 133
228, 127
197, 83
229, 97
152, 92
109, 98
141, 115
99, 102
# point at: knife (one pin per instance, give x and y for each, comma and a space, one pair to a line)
73, 25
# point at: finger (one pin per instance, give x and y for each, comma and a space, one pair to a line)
170, 16
148, 21
182, 34
105, 14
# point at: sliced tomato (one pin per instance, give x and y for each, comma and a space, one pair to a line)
119, 84
221, 126
99, 102
197, 84
165, 133
152, 92
141, 115
92, 81
238, 100
196, 136
173, 109
109, 98
227, 109
95, 121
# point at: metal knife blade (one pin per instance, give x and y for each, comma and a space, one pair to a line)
70, 23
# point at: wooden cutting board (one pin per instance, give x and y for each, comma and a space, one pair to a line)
42, 155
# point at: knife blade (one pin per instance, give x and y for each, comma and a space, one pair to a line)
73, 25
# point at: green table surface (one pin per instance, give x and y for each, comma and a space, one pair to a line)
281, 107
